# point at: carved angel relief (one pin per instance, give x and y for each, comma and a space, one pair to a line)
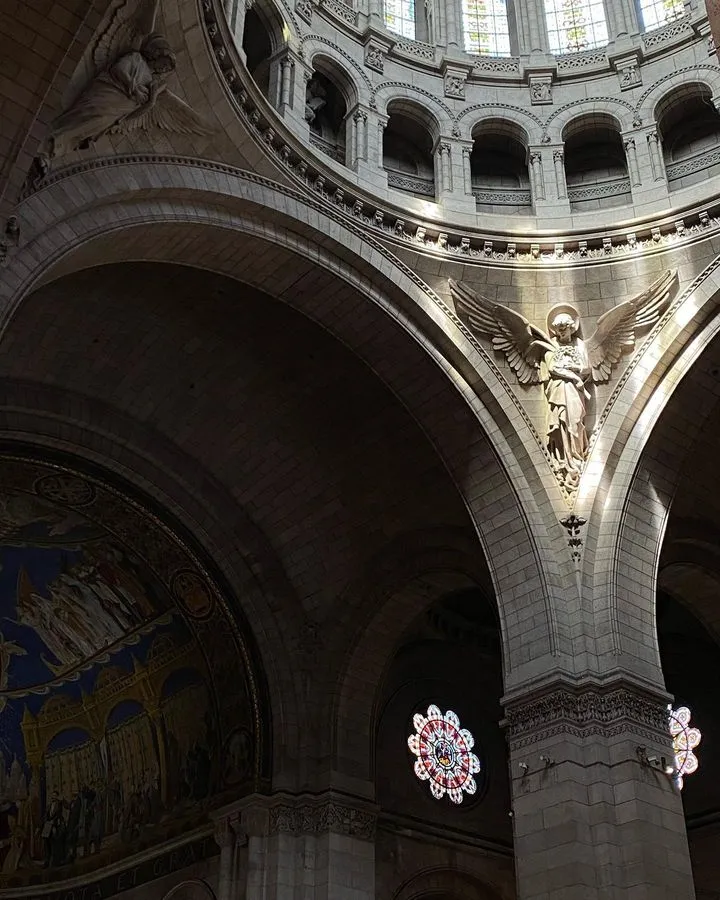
561, 361
121, 85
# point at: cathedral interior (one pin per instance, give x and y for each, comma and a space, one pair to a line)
359, 496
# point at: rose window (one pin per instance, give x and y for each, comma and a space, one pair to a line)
444, 754
684, 739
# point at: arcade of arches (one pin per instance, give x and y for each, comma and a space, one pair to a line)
359, 496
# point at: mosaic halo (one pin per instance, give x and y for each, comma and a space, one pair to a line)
444, 754
684, 739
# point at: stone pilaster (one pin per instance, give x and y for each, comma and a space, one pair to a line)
591, 818
308, 845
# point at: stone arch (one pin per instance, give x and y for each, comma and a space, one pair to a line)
394, 592
45, 419
702, 73
617, 109
492, 492
523, 122
191, 889
445, 884
339, 64
419, 105
275, 23
666, 391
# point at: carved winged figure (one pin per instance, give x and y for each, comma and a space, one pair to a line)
121, 84
560, 360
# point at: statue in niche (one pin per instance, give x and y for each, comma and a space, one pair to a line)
121, 85
315, 100
561, 360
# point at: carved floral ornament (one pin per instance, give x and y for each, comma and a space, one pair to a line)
565, 364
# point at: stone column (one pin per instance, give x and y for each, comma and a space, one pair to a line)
632, 162
443, 169
593, 819
622, 19
559, 169
537, 175
453, 25
467, 149
375, 12
231, 839
532, 28
657, 163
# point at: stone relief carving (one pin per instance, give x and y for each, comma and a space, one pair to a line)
374, 57
629, 76
541, 90
561, 361
121, 86
455, 86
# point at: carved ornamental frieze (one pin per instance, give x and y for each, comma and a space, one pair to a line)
582, 711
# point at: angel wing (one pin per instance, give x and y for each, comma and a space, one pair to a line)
169, 113
522, 343
129, 22
615, 330
125, 25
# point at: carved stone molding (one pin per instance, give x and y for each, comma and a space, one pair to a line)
318, 818
585, 710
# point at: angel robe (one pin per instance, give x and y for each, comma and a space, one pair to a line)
110, 97
566, 436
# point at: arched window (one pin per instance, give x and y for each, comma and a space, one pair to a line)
575, 25
655, 13
485, 27
400, 17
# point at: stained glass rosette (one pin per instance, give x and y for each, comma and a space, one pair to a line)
444, 754
684, 739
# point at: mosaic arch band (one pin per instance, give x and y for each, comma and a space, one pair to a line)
128, 707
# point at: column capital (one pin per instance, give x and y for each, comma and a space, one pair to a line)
285, 813
591, 707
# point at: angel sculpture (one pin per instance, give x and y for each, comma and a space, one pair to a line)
121, 84
561, 361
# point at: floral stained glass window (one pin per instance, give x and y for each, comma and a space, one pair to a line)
444, 754
659, 12
685, 739
400, 17
575, 25
485, 26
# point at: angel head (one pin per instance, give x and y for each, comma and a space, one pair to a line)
157, 53
563, 323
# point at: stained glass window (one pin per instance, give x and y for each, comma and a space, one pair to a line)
485, 26
444, 756
575, 25
400, 17
658, 12
685, 739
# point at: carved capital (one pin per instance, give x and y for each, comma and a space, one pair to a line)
311, 818
589, 710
